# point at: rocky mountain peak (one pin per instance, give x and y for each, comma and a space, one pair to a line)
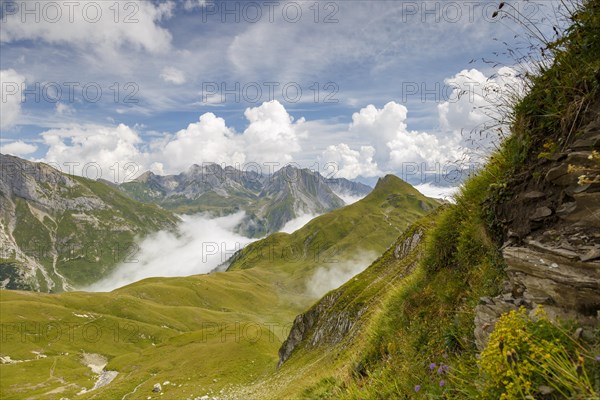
145, 177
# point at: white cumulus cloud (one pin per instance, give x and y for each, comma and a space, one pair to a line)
272, 135
475, 102
352, 163
392, 144
393, 147
18, 148
95, 151
208, 140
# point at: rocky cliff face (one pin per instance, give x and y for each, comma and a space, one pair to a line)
552, 237
58, 231
292, 192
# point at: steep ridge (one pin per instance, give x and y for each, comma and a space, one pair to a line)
335, 317
357, 227
59, 231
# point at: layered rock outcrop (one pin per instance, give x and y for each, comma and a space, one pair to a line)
552, 247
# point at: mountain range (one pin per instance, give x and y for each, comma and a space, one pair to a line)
60, 232
269, 200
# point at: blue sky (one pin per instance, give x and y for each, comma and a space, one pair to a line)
172, 58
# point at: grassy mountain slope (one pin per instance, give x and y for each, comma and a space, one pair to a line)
211, 332
60, 231
393, 203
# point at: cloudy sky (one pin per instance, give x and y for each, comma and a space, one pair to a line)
350, 88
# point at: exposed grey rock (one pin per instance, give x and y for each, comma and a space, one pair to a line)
486, 316
486, 301
580, 158
568, 283
157, 388
586, 143
66, 214
333, 327
566, 208
560, 251
587, 211
591, 255
559, 175
534, 194
556, 265
409, 245
540, 213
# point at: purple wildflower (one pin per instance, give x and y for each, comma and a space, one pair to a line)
597, 358
442, 383
432, 366
417, 388
442, 369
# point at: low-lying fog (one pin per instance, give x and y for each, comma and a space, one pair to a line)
335, 274
438, 192
201, 244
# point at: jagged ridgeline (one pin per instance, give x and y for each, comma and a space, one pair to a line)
207, 335
58, 231
269, 200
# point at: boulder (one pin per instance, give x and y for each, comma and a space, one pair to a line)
540, 213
